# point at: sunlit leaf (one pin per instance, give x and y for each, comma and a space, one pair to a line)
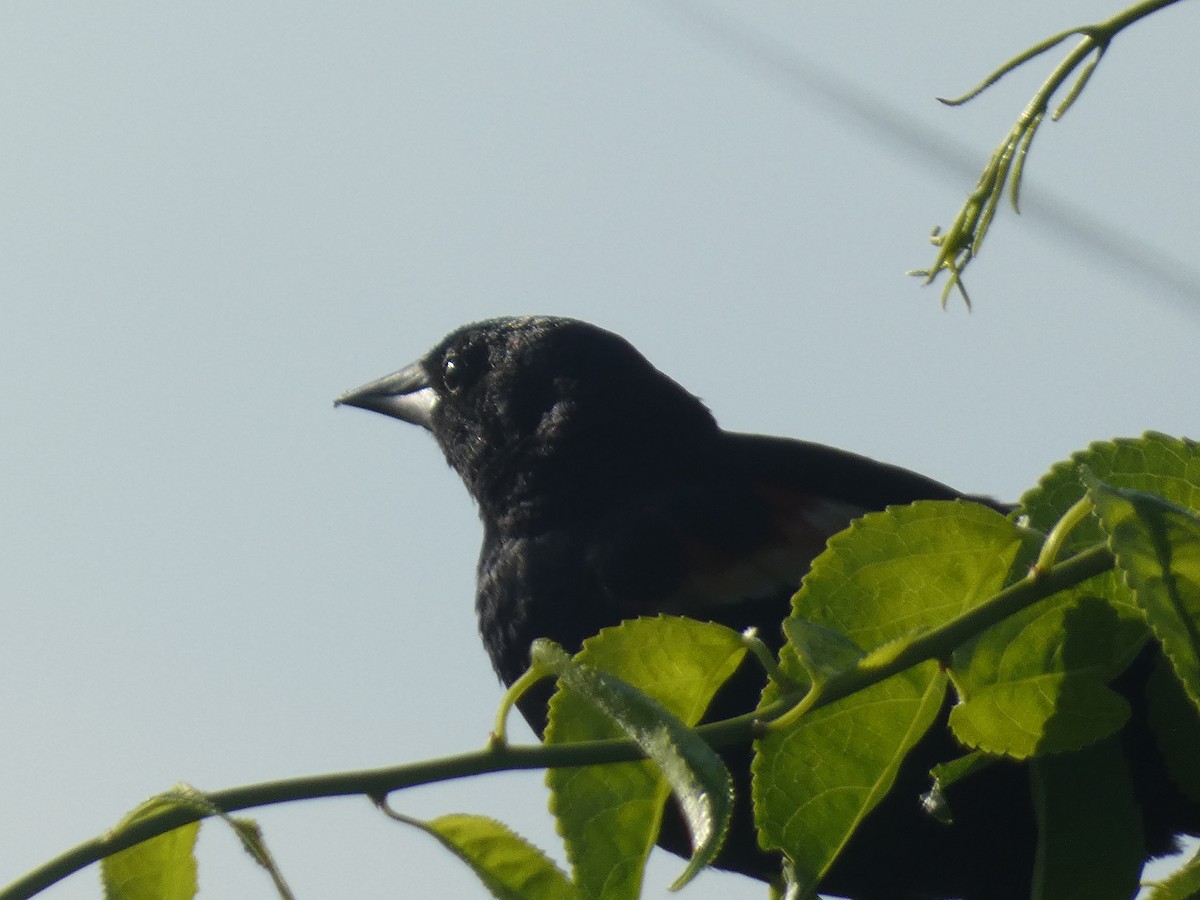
610, 815
161, 868
507, 864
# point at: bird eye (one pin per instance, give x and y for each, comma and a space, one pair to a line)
454, 373
461, 367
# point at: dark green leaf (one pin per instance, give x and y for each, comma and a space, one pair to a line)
1089, 827
1176, 725
817, 780
1157, 546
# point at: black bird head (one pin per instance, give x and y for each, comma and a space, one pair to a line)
522, 406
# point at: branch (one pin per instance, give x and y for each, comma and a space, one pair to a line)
376, 784
961, 243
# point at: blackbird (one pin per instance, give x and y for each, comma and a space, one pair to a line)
607, 491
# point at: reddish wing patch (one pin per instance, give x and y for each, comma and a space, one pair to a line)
750, 544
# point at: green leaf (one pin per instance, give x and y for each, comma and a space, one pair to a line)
1156, 463
910, 568
822, 652
509, 866
1176, 727
891, 574
947, 774
253, 842
954, 770
1048, 714
1157, 547
609, 816
162, 868
816, 781
1090, 844
1037, 683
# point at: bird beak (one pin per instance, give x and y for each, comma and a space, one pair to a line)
406, 395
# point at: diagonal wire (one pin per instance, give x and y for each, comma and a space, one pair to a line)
1074, 227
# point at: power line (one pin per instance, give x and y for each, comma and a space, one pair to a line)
1073, 226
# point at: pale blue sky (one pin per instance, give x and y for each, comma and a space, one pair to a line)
215, 217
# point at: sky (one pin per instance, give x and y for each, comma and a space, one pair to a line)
215, 217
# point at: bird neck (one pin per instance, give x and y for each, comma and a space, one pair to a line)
522, 492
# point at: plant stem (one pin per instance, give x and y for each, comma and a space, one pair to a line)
376, 783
